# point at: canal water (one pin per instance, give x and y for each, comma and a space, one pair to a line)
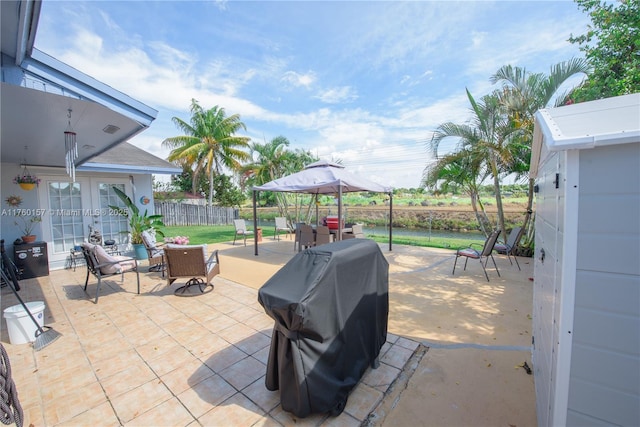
408, 232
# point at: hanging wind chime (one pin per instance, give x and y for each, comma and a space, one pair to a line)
71, 149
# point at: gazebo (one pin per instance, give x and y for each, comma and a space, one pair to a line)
323, 177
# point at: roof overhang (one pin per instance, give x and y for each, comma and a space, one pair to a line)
37, 92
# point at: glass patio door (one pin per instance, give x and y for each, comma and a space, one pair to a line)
67, 214
110, 224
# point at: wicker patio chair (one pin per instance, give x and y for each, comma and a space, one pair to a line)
191, 262
155, 252
323, 235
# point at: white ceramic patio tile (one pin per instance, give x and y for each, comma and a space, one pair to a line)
170, 361
140, 400
188, 375
289, 419
261, 396
397, 356
407, 343
157, 348
134, 376
235, 411
253, 343
72, 403
362, 400
207, 346
224, 358
381, 377
102, 415
167, 414
201, 397
243, 372
342, 420
263, 355
236, 333
117, 363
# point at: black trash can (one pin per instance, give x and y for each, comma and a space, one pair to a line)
330, 305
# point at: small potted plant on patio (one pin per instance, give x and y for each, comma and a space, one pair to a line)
26, 223
138, 222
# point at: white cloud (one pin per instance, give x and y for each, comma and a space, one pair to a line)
297, 80
337, 95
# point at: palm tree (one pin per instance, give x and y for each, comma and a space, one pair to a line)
273, 160
522, 95
462, 169
209, 143
487, 137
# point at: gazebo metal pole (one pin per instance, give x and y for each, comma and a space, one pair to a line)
317, 211
339, 236
255, 224
390, 219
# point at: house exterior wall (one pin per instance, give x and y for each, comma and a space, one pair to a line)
605, 359
89, 210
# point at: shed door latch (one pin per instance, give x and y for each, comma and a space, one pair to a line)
557, 181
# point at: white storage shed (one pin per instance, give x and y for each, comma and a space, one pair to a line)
586, 315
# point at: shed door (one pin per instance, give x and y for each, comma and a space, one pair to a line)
547, 287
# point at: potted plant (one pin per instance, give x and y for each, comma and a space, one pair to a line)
26, 181
26, 223
137, 222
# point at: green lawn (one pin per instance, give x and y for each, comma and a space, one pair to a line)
224, 233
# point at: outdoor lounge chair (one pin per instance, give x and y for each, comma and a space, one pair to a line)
486, 253
241, 229
155, 253
281, 225
101, 265
191, 261
510, 247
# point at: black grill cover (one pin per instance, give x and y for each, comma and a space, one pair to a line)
330, 305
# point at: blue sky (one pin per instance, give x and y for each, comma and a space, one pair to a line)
366, 82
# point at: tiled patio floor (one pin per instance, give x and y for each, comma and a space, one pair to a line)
155, 359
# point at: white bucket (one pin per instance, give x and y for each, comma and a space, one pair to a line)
21, 328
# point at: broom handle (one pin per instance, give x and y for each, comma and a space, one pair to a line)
6, 279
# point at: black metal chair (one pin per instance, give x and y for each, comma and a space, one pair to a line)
510, 247
486, 253
101, 265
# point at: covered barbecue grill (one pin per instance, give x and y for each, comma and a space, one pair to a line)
330, 305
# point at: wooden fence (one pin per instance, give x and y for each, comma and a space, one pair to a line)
187, 214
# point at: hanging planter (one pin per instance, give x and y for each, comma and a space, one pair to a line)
26, 181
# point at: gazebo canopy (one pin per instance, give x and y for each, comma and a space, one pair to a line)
323, 177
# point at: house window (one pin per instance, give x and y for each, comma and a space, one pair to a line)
65, 202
